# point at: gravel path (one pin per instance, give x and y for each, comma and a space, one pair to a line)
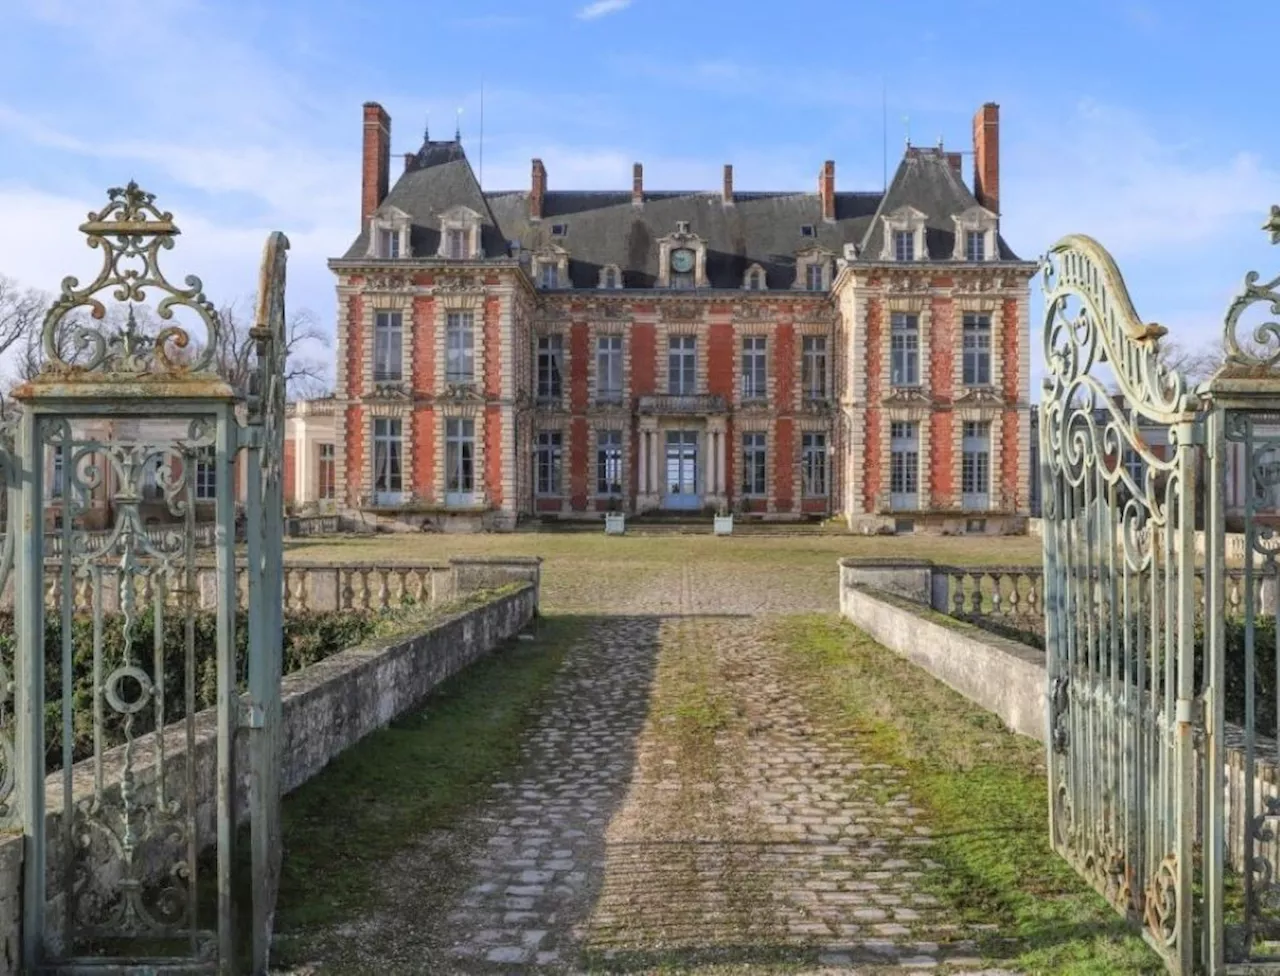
676, 808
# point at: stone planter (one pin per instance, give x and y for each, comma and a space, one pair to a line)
615, 523
724, 525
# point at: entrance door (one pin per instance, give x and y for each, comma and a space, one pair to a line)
682, 470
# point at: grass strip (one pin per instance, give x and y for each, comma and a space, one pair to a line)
985, 792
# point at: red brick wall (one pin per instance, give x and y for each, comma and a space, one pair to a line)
579, 364
355, 449
423, 357
642, 359
873, 463
492, 347
290, 474
423, 476
942, 378
579, 397
720, 359
579, 476
355, 346
493, 453
785, 487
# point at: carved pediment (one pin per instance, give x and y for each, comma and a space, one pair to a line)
462, 393
612, 311
753, 312
459, 214
822, 315
980, 395
456, 283
386, 282
908, 395
978, 284
398, 392
907, 283
681, 312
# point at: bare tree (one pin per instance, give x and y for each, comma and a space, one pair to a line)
21, 312
306, 375
1195, 363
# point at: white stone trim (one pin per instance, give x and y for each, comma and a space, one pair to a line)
594, 426
604, 277
564, 331
387, 301
755, 269
922, 309
395, 220
477, 413
756, 425
445, 303
922, 416
662, 332
994, 309
551, 254
808, 256
985, 413
910, 219
976, 218
676, 241
460, 218
597, 329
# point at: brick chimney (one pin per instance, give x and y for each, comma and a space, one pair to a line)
409, 160
537, 190
637, 185
953, 160
986, 156
728, 183
827, 190
375, 166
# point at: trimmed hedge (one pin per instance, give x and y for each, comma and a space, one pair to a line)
308, 637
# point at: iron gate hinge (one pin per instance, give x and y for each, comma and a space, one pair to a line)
1192, 432
1190, 710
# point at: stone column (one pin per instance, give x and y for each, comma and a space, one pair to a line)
723, 486
643, 483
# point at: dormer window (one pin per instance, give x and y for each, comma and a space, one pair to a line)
610, 276
806, 230
755, 279
551, 267
389, 234
815, 277
459, 235
548, 276
559, 230
904, 236
682, 259
812, 267
976, 238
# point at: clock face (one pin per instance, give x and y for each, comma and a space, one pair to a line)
682, 261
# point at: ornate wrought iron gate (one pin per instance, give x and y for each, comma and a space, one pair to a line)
1164, 769
114, 662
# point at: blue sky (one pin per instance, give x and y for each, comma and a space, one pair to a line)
1144, 124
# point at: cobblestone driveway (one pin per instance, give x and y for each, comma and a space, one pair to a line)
676, 807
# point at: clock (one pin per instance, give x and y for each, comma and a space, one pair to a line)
682, 261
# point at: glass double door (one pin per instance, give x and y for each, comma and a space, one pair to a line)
681, 456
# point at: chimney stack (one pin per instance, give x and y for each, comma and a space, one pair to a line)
953, 160
827, 190
375, 172
728, 183
986, 157
409, 160
637, 185
538, 190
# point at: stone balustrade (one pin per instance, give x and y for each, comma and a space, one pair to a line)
312, 586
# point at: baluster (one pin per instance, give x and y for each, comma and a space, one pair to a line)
1015, 580
997, 596
366, 589
957, 594
346, 595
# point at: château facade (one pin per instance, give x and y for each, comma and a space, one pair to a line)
553, 353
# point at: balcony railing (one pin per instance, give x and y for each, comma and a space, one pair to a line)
689, 403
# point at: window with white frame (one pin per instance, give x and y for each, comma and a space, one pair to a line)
609, 368
682, 365
815, 275
754, 463
904, 349
206, 473
455, 243
459, 459
548, 275
326, 476
904, 245
813, 463
388, 348
755, 280
904, 465
976, 330
609, 462
813, 367
975, 467
550, 367
755, 384
975, 242
460, 348
389, 243
548, 457
388, 448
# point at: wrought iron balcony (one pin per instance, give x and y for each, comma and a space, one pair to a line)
669, 404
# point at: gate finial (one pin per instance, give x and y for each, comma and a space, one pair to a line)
1265, 351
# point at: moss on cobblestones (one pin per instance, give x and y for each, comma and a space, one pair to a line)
984, 792
399, 785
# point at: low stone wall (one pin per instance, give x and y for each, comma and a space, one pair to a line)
1010, 679
326, 709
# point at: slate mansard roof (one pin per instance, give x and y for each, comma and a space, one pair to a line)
605, 228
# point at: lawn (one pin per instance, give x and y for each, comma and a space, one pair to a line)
583, 570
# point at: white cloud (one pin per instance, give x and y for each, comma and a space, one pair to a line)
602, 8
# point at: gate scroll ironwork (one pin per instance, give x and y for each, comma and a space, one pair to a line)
120, 424
1164, 762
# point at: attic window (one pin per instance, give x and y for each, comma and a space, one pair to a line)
559, 230
806, 230
390, 244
